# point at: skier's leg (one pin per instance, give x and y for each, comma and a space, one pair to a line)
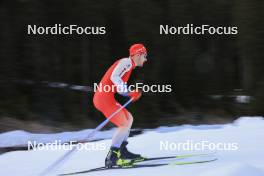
114, 156
130, 118
108, 107
124, 124
127, 135
124, 151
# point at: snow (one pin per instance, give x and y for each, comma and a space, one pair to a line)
247, 159
21, 138
234, 169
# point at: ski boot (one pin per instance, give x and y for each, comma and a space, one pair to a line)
129, 155
114, 159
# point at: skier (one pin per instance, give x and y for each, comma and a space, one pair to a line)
117, 75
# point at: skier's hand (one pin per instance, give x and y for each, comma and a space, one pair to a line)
136, 94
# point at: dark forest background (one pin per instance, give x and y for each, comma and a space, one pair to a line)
207, 72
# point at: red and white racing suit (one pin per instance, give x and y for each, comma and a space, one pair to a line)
118, 74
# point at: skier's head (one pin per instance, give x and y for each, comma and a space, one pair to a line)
138, 53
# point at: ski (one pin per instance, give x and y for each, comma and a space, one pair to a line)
141, 164
114, 168
175, 156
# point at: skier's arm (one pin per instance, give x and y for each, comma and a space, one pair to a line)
122, 67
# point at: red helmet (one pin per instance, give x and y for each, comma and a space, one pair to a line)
137, 49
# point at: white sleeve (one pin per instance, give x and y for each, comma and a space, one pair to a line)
121, 68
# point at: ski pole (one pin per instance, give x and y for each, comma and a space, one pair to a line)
64, 157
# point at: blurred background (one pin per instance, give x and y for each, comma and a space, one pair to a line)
45, 80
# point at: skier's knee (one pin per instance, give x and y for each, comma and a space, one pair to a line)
125, 125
